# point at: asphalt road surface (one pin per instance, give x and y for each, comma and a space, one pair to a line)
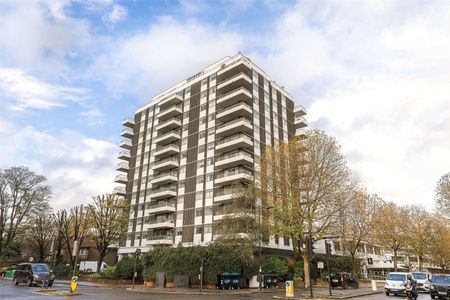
384, 297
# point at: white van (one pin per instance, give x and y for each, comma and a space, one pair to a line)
396, 283
91, 266
423, 281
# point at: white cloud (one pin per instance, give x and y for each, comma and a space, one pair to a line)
118, 13
376, 76
77, 167
168, 52
21, 91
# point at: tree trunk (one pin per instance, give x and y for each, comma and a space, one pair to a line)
101, 257
395, 259
306, 270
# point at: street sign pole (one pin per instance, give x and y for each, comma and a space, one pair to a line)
328, 253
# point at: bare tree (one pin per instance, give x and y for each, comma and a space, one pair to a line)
108, 222
391, 228
76, 225
308, 184
443, 196
359, 219
22, 193
59, 223
39, 233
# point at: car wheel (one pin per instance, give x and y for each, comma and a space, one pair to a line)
30, 282
15, 281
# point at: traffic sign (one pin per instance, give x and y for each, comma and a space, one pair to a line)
74, 284
320, 265
289, 288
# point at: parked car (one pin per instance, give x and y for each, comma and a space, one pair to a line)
440, 286
423, 281
33, 273
343, 280
396, 283
91, 266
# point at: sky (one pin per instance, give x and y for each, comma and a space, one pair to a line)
373, 74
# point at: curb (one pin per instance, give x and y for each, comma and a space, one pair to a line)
323, 297
214, 293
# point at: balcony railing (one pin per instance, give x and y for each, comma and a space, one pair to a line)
165, 174
169, 159
232, 138
233, 91
119, 190
235, 154
162, 204
159, 237
166, 188
158, 221
168, 133
128, 122
124, 153
237, 171
122, 165
171, 107
241, 119
177, 145
232, 106
121, 177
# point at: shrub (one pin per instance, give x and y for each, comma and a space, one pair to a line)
62, 270
125, 268
109, 273
275, 265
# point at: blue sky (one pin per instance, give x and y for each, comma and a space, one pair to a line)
374, 74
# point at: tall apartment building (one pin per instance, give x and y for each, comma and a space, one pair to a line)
185, 149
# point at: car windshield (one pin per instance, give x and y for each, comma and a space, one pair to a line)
396, 277
419, 275
441, 279
40, 268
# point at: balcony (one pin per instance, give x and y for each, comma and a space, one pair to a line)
300, 122
299, 111
168, 150
163, 192
123, 167
170, 100
120, 190
235, 81
168, 137
300, 132
165, 164
233, 159
237, 174
160, 240
161, 207
126, 144
237, 125
222, 195
233, 142
238, 95
165, 178
127, 133
128, 122
121, 179
233, 68
125, 155
240, 109
161, 223
168, 125
170, 112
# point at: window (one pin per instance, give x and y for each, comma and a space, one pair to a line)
211, 117
180, 200
182, 183
204, 81
286, 241
203, 121
212, 103
211, 146
212, 77
201, 134
199, 212
203, 107
203, 94
208, 194
198, 229
210, 161
200, 164
201, 148
209, 177
186, 115
208, 211
212, 90
200, 180
179, 231
210, 131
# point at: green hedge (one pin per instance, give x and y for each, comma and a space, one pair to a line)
187, 261
125, 267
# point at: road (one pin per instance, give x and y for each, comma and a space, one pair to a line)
9, 291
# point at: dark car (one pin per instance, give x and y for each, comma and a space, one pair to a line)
440, 286
33, 273
343, 280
